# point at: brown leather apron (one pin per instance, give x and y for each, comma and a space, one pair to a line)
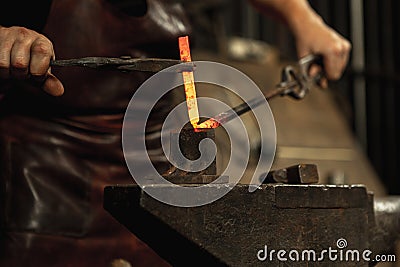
57, 154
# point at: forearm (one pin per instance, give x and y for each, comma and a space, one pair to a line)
293, 13
311, 33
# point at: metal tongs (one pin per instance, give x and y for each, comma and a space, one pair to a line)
296, 82
125, 63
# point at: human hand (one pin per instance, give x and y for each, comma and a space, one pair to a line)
312, 35
315, 37
25, 55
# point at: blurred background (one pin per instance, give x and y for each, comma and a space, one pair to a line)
364, 99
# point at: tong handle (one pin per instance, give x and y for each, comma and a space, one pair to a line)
296, 80
305, 65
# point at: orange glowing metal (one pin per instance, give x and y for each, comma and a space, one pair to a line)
190, 89
208, 124
188, 80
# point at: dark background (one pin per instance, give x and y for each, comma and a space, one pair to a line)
368, 91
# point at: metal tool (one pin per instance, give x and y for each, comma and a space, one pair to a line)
297, 174
124, 63
295, 82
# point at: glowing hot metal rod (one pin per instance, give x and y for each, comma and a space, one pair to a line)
188, 79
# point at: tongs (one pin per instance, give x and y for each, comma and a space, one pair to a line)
124, 63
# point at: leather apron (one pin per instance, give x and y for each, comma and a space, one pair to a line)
58, 153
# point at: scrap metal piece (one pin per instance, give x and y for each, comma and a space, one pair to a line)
124, 64
297, 174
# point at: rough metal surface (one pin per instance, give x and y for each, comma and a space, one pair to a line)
386, 230
195, 179
231, 231
189, 143
123, 63
297, 174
